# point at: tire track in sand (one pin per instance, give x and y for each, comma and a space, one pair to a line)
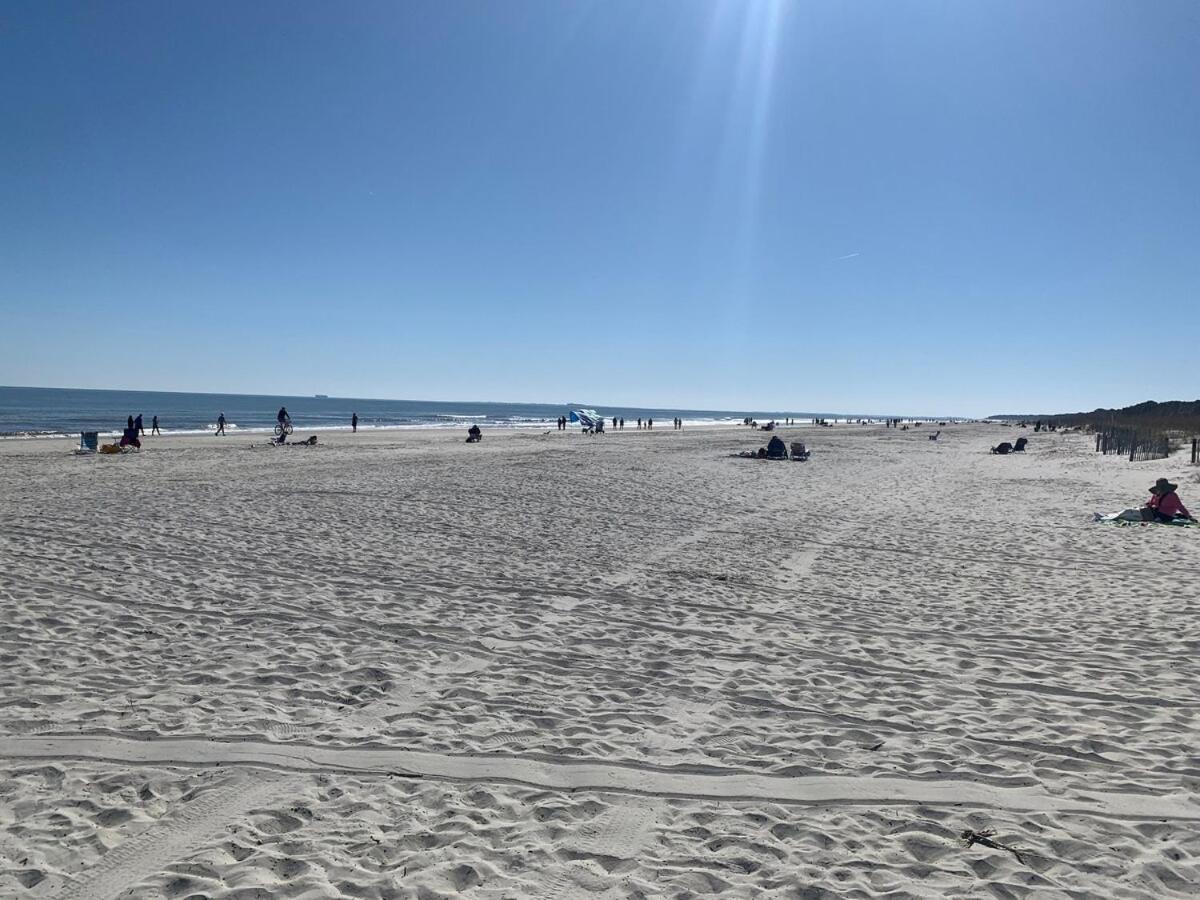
174, 835
570, 774
617, 833
183, 828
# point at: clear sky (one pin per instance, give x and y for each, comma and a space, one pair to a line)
925, 207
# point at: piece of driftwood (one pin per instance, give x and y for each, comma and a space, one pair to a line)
973, 837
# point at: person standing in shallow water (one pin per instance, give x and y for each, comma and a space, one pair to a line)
221, 423
354, 423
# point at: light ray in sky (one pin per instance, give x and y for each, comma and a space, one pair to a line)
746, 37
759, 47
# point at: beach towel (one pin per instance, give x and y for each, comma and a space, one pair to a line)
1134, 517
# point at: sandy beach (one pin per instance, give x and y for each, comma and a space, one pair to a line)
559, 666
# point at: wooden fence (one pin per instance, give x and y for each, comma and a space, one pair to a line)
1135, 444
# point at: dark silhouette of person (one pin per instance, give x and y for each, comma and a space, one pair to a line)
154, 426
639, 421
137, 423
221, 423
354, 422
129, 422
282, 416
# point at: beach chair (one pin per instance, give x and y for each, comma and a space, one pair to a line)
800, 453
89, 441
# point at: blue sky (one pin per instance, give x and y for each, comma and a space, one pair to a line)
915, 207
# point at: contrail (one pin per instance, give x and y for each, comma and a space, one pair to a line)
849, 256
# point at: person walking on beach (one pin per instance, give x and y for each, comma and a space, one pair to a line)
137, 423
154, 426
354, 423
221, 423
639, 422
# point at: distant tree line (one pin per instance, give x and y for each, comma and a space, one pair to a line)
1180, 418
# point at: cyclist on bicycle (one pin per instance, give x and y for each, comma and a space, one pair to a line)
283, 425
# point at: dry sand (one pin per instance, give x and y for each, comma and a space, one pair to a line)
395, 665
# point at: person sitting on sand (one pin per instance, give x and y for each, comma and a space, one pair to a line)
474, 435
1164, 505
776, 449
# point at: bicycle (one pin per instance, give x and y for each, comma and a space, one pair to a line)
283, 429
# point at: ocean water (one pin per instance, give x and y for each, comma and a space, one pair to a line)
29, 412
